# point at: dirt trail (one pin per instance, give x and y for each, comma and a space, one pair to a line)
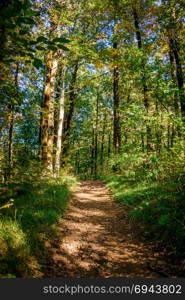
97, 240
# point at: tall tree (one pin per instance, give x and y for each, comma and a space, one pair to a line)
47, 123
116, 97
60, 123
144, 81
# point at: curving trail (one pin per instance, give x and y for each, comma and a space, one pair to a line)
96, 240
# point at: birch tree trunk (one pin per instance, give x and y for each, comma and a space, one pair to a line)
60, 127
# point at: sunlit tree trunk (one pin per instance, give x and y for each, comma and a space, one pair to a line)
60, 127
47, 123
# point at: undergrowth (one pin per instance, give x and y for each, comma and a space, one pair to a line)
28, 216
152, 188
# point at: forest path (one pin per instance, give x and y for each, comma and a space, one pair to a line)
96, 239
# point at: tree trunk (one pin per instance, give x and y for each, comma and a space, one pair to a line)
11, 125
102, 141
10, 139
116, 99
145, 88
96, 139
92, 153
172, 32
179, 74
60, 127
47, 123
70, 110
109, 146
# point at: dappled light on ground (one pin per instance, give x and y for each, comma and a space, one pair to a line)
96, 240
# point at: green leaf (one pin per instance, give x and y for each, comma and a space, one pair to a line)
32, 42
9, 12
40, 48
7, 61
61, 40
31, 13
29, 21
25, 20
37, 63
62, 47
52, 48
11, 25
23, 41
41, 39
23, 31
27, 4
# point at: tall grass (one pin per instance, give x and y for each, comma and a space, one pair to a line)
25, 225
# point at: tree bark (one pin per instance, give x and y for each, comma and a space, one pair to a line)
60, 127
47, 122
